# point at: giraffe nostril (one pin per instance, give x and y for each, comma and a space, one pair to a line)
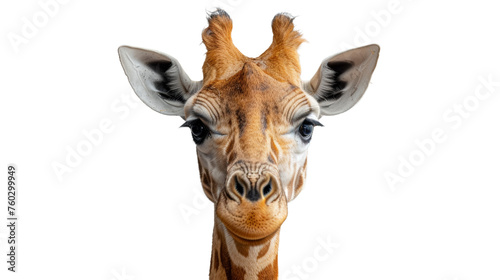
239, 187
267, 189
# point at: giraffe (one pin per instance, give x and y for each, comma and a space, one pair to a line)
252, 121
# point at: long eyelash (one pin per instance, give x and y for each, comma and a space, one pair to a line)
190, 123
187, 124
314, 122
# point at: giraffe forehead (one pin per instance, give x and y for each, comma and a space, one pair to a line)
251, 98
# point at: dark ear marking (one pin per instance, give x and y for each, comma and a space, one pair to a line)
160, 66
334, 84
342, 79
340, 66
157, 79
165, 88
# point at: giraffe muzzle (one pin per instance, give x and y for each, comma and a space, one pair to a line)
252, 205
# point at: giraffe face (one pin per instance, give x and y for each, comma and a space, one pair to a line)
252, 119
252, 133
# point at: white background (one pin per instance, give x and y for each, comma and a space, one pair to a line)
118, 213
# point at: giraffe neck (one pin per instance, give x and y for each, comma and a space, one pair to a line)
234, 258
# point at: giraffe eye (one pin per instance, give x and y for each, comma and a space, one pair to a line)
199, 130
306, 129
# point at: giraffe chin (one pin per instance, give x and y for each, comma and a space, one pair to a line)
249, 221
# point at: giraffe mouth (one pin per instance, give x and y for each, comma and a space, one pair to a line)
251, 220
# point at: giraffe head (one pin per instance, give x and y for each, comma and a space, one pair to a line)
252, 119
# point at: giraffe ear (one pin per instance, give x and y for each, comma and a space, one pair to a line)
342, 79
157, 79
